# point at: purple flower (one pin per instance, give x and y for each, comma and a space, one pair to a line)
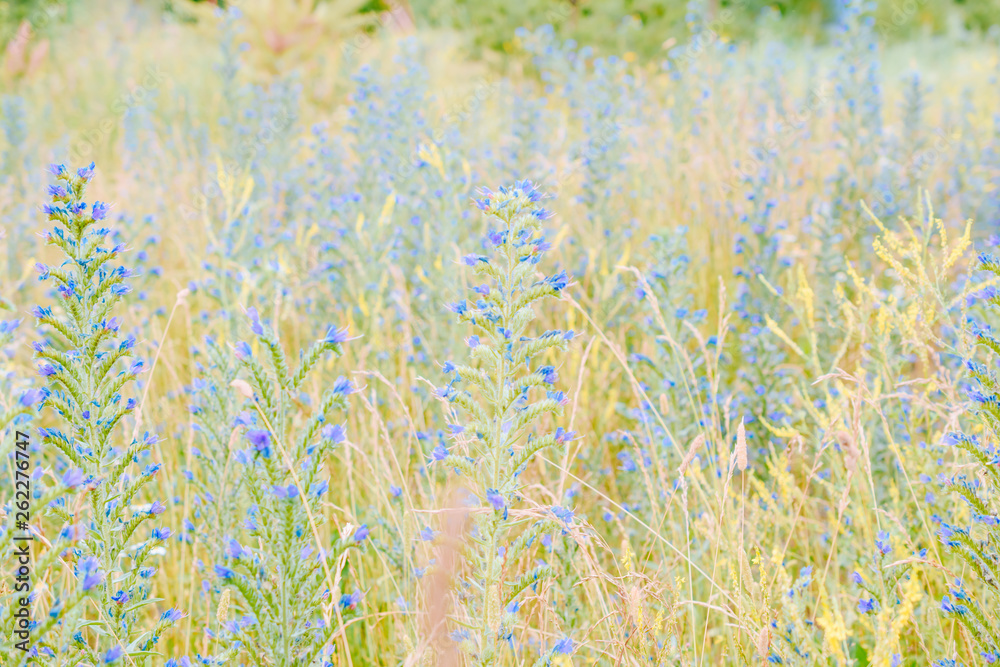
224, 572
343, 386
335, 433
564, 646
336, 336
985, 518
89, 572
455, 429
350, 602
882, 542
951, 439
172, 615
157, 508
259, 438
235, 550
86, 173
496, 499
564, 515
121, 597
47, 370
361, 534
255, 324
72, 478
160, 533
99, 211
243, 350
549, 374
562, 435
113, 655
867, 606
558, 282
285, 492
31, 396
243, 419
440, 452
856, 578
427, 534
949, 608
447, 392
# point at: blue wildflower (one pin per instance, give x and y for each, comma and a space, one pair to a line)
564, 515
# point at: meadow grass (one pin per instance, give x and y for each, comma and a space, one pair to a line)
722, 401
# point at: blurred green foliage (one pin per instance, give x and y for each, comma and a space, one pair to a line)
647, 26
15, 11
40, 15
980, 14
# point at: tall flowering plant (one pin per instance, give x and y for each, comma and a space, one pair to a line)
973, 534
282, 574
504, 397
99, 615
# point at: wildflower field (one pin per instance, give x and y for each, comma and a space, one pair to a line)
328, 339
